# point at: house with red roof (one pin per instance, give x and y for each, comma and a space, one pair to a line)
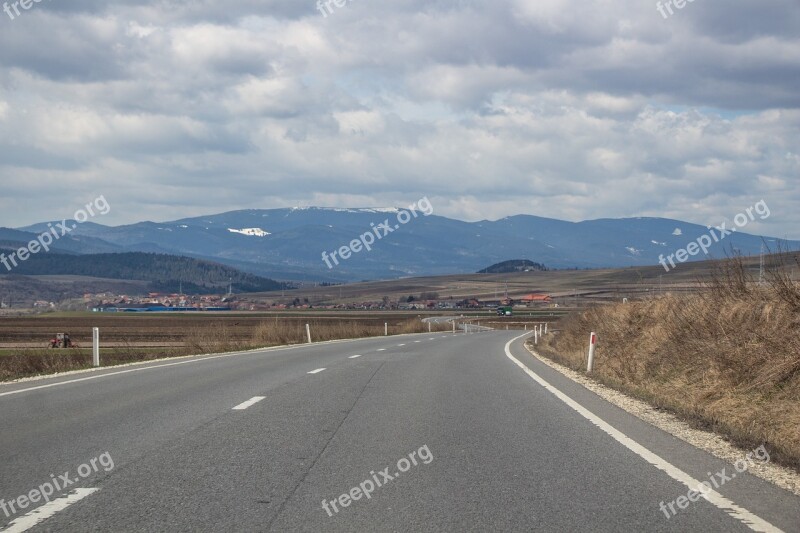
536, 298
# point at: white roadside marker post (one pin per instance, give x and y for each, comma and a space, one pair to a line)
308, 333
545, 328
454, 326
385, 329
429, 326
95, 347
535, 336
592, 344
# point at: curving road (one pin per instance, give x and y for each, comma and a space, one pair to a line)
430, 432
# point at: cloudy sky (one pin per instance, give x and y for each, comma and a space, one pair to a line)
572, 109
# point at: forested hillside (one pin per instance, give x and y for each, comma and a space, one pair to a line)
165, 272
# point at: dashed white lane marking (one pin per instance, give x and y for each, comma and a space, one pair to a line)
417, 341
252, 401
381, 350
431, 338
400, 345
317, 371
40, 514
752, 521
185, 360
354, 356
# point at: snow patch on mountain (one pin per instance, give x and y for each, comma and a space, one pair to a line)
363, 210
349, 210
633, 250
252, 232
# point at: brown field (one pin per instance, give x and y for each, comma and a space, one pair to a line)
161, 329
173, 329
128, 338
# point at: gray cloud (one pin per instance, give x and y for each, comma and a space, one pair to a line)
560, 108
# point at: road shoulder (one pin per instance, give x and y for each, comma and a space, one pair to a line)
707, 441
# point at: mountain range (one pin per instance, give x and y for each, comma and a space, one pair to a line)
287, 244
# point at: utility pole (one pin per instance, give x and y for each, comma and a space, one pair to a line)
761, 266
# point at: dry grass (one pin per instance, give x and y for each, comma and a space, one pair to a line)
727, 358
218, 338
40, 361
214, 337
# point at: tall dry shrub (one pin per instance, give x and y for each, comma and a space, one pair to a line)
213, 338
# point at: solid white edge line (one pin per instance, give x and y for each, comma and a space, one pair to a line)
317, 371
40, 514
754, 522
252, 401
354, 356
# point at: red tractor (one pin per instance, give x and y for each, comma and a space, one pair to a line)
62, 340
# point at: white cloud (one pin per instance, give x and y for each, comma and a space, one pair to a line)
557, 108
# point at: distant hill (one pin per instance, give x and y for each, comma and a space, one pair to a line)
166, 273
79, 244
514, 265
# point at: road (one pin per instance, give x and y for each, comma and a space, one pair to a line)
464, 325
430, 432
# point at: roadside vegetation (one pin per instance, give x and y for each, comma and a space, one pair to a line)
213, 337
726, 358
282, 331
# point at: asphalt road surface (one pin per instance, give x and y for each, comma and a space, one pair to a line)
430, 432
